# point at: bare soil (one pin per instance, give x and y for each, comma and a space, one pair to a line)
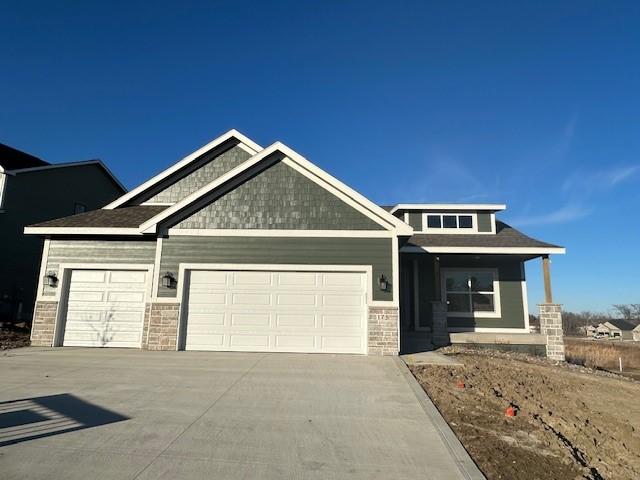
571, 422
13, 338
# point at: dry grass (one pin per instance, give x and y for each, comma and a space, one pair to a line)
603, 354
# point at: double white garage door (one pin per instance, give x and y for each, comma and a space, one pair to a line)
229, 310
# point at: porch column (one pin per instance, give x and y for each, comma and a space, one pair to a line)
551, 317
440, 325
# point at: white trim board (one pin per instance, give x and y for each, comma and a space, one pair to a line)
247, 144
280, 233
450, 206
81, 231
487, 250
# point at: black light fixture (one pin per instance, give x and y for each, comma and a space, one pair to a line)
383, 283
168, 280
51, 279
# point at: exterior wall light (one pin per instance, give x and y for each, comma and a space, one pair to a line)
51, 279
383, 283
168, 280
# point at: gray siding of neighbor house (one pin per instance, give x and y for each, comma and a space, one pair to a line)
203, 175
415, 220
376, 252
484, 222
97, 251
279, 198
509, 276
33, 197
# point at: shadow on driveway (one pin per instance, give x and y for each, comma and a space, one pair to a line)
31, 418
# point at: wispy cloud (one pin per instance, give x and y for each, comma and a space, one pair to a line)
588, 182
567, 213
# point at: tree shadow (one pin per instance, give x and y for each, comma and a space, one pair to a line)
30, 418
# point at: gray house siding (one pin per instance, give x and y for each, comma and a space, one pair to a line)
509, 275
33, 197
279, 198
376, 252
484, 222
415, 220
199, 174
97, 251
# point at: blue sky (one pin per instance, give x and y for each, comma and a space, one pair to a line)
532, 104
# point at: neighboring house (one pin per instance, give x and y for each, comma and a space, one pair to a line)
636, 334
32, 190
620, 329
239, 247
591, 330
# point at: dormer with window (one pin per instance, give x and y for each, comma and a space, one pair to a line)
449, 218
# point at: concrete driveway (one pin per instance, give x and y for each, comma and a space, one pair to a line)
126, 414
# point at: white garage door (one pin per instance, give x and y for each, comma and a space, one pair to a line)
321, 312
105, 308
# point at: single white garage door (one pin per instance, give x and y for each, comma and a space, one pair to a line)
105, 308
322, 312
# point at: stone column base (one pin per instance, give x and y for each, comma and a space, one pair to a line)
551, 326
160, 331
383, 331
44, 323
440, 335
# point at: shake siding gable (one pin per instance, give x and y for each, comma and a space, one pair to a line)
278, 198
201, 173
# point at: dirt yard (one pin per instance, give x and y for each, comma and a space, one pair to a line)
571, 422
13, 338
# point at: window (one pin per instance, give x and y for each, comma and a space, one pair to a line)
471, 293
79, 208
449, 221
434, 221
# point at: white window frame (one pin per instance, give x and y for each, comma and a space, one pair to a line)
497, 313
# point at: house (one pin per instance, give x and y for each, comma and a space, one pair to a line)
32, 190
591, 330
636, 334
239, 247
617, 328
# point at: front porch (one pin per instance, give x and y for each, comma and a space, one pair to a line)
475, 300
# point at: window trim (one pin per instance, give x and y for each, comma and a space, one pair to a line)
3, 187
497, 312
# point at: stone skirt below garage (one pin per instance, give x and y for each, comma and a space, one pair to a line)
161, 323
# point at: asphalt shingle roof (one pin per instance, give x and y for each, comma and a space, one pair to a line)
506, 236
622, 324
126, 217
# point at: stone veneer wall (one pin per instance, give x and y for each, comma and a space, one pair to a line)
160, 331
551, 326
44, 322
383, 331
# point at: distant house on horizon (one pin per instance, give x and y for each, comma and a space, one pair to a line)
617, 328
636, 334
33, 190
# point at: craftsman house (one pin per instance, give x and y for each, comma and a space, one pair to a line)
240, 247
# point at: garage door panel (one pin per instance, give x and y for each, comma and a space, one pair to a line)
127, 277
295, 299
276, 311
247, 340
251, 299
89, 276
297, 279
105, 308
252, 278
250, 319
304, 342
208, 277
301, 320
335, 300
